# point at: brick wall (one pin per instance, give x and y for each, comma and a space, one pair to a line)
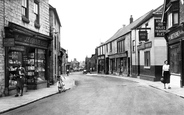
13, 14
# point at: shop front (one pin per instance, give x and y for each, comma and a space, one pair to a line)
29, 49
101, 64
175, 41
119, 64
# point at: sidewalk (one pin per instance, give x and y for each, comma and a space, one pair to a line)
175, 89
11, 102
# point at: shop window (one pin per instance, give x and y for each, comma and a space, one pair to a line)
14, 59
40, 63
175, 60
36, 13
147, 59
25, 11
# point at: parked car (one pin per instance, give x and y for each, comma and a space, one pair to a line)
84, 71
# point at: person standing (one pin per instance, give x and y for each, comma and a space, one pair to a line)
166, 74
20, 80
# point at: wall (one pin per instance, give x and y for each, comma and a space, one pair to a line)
2, 79
13, 14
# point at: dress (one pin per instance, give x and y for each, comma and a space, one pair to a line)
166, 74
166, 77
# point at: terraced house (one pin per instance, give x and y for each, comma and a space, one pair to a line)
24, 39
134, 49
149, 46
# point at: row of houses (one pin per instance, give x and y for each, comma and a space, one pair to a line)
30, 36
140, 48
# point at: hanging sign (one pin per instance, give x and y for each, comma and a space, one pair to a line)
159, 28
143, 36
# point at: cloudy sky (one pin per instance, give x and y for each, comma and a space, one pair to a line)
87, 23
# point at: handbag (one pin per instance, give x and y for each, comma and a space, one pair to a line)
162, 79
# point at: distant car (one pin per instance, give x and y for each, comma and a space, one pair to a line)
84, 71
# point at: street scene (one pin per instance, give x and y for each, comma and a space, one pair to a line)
94, 57
105, 95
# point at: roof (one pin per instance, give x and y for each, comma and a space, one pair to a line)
156, 12
55, 12
124, 30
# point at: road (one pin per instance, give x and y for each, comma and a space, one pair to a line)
95, 95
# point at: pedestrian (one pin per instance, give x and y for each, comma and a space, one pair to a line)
166, 74
60, 84
67, 72
20, 80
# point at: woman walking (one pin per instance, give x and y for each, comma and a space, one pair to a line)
166, 74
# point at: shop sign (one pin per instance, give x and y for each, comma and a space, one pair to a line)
8, 42
159, 28
143, 36
145, 45
175, 34
31, 40
18, 48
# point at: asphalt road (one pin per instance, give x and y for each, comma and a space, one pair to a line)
95, 95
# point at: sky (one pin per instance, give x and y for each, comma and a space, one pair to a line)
87, 23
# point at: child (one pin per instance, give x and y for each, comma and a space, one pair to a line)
60, 84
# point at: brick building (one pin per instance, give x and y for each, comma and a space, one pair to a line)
55, 26
173, 17
24, 39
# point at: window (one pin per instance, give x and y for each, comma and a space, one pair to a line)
173, 14
175, 19
121, 46
169, 20
110, 46
107, 48
147, 58
36, 13
25, 8
55, 42
133, 48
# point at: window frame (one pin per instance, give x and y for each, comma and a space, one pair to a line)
36, 11
147, 59
25, 11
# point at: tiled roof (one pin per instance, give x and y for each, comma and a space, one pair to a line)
124, 30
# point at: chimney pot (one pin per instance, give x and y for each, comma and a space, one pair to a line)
131, 19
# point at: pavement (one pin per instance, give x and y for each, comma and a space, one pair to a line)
11, 102
175, 88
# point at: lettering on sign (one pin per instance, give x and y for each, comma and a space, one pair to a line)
159, 28
175, 34
31, 40
145, 45
142, 35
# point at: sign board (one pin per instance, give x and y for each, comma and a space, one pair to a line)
143, 35
159, 28
8, 42
145, 45
175, 34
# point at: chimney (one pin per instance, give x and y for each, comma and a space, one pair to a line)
131, 19
124, 25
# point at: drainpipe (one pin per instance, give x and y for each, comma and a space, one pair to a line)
130, 54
